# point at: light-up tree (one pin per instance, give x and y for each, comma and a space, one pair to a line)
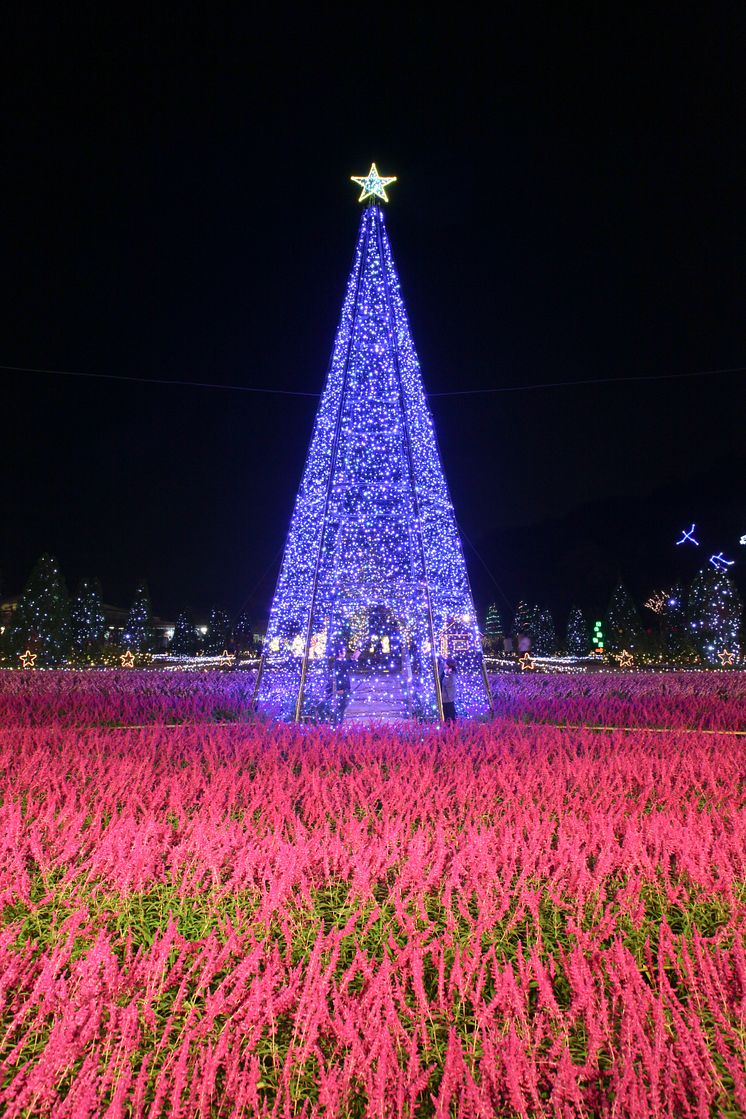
623, 625
86, 621
373, 554
138, 633
577, 640
545, 635
39, 621
184, 640
715, 610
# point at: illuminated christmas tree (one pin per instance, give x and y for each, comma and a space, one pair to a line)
623, 626
524, 620
493, 626
86, 621
577, 640
184, 640
715, 610
138, 633
218, 631
545, 635
39, 622
373, 561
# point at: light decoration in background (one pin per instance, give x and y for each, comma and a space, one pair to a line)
625, 659
27, 659
743, 539
688, 536
720, 563
597, 640
726, 657
657, 602
373, 546
127, 659
527, 663
714, 611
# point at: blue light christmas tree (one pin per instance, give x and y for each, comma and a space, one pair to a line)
373, 570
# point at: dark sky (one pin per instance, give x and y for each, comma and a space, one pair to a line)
175, 203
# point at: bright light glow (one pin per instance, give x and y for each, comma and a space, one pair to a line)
688, 536
127, 659
373, 546
373, 186
27, 659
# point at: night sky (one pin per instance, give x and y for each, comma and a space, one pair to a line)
175, 204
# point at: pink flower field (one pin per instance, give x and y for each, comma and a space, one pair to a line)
205, 915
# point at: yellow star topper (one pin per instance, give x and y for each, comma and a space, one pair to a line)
373, 186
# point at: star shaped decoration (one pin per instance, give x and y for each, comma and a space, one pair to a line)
726, 657
225, 657
527, 663
625, 659
373, 186
127, 659
27, 659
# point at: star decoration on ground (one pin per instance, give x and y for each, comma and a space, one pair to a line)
128, 660
625, 659
27, 659
225, 657
373, 185
726, 657
527, 663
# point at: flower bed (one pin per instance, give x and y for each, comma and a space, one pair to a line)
259, 920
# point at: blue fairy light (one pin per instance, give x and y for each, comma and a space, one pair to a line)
373, 564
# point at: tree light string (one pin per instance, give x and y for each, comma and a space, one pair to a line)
373, 548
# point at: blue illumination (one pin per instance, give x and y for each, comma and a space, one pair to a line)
720, 563
688, 536
373, 562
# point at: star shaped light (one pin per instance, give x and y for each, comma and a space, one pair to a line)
527, 663
373, 186
128, 660
726, 657
625, 659
27, 659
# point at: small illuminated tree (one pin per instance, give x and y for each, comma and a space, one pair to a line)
623, 626
243, 633
86, 622
184, 641
545, 635
578, 638
138, 633
39, 621
714, 614
524, 620
218, 631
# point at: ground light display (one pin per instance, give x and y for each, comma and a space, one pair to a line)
373, 593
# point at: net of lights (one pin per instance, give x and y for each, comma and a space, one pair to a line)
373, 562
